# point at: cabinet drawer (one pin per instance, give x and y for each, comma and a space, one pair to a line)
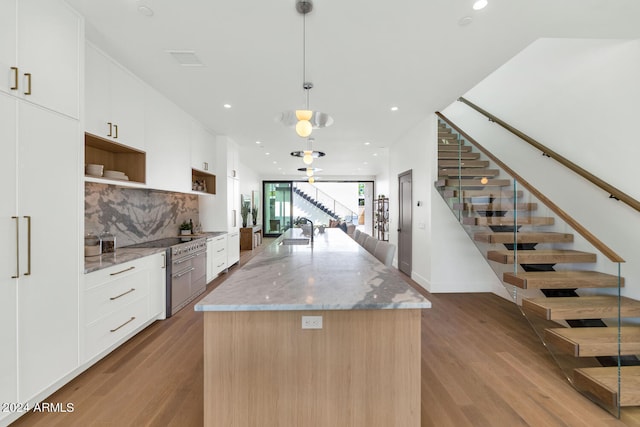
219, 263
110, 297
110, 329
119, 271
218, 248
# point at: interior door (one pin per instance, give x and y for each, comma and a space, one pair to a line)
404, 222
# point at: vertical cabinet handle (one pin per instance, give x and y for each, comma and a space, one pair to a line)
28, 76
110, 128
234, 217
28, 218
15, 78
164, 261
17, 247
115, 128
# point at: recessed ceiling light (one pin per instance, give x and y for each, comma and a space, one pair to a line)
465, 20
367, 143
227, 105
267, 153
186, 58
275, 163
394, 108
258, 142
375, 154
480, 4
365, 163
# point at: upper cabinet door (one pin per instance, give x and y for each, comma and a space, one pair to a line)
114, 101
97, 98
48, 55
127, 107
203, 148
8, 76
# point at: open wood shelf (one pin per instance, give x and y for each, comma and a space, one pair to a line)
115, 157
205, 179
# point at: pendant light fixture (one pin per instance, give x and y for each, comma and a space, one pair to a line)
305, 120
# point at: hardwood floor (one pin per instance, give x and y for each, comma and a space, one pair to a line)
482, 365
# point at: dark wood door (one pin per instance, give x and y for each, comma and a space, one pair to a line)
404, 222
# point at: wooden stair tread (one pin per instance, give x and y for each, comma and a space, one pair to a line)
592, 342
483, 193
454, 148
453, 163
507, 220
448, 155
564, 279
589, 307
541, 256
602, 383
483, 207
472, 172
472, 183
523, 237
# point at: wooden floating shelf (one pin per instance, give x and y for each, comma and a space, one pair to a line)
117, 157
208, 180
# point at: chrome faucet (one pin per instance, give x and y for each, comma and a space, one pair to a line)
305, 221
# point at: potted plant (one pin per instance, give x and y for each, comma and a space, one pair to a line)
254, 214
244, 212
185, 228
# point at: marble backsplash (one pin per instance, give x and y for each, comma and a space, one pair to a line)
136, 215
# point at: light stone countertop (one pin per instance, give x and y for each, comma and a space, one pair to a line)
121, 255
336, 273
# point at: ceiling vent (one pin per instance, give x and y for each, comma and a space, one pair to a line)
186, 58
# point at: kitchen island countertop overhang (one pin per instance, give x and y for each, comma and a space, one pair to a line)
332, 273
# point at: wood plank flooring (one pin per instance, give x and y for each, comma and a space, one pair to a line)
482, 365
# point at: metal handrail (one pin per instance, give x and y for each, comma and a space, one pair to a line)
336, 204
614, 192
604, 249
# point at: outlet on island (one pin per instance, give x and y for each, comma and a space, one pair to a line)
311, 322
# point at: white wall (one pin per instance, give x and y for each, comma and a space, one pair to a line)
579, 98
444, 258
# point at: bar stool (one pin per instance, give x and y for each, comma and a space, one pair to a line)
355, 235
362, 238
370, 244
384, 252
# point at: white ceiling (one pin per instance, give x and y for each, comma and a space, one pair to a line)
363, 57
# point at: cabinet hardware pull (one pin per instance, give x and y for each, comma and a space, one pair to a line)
220, 250
164, 260
234, 217
110, 128
122, 294
182, 273
15, 78
28, 76
184, 259
122, 271
115, 128
17, 247
128, 321
28, 218
220, 265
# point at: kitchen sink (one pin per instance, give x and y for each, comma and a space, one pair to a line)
300, 241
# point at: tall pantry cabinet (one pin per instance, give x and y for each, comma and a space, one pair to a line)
40, 183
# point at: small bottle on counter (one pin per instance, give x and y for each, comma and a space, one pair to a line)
92, 246
108, 242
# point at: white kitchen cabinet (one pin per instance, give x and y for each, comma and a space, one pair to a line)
167, 130
115, 107
40, 278
39, 53
233, 248
216, 256
203, 148
121, 300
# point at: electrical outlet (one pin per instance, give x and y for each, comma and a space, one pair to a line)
311, 322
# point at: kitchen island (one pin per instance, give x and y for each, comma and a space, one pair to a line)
358, 365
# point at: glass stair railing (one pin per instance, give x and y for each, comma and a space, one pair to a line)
566, 282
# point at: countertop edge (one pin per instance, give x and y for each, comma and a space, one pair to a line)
307, 307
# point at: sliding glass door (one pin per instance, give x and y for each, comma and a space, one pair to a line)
277, 208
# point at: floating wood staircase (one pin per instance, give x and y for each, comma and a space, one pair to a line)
485, 200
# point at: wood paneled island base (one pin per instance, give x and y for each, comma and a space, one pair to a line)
361, 369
